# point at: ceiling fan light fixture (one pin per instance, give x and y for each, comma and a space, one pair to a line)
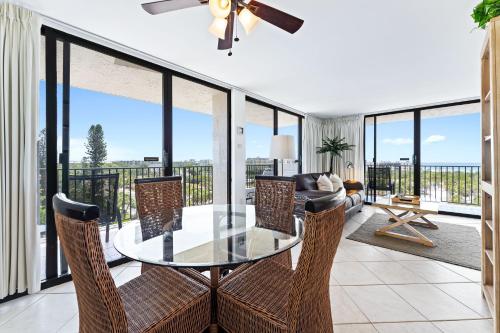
220, 8
248, 20
218, 27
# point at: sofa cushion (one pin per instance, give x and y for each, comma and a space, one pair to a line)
305, 182
324, 183
306, 188
348, 203
357, 197
336, 182
310, 194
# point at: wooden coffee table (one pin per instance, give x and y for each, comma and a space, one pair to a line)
410, 215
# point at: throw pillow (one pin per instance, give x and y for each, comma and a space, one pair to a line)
324, 183
336, 182
341, 195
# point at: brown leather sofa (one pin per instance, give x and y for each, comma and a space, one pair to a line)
306, 188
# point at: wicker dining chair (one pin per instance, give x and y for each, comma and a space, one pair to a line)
268, 297
159, 202
159, 206
274, 203
161, 300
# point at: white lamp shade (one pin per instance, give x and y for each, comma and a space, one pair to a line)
248, 20
218, 28
220, 8
282, 147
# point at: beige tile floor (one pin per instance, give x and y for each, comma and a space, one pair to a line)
373, 290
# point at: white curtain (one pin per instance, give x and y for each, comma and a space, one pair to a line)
312, 136
19, 81
350, 128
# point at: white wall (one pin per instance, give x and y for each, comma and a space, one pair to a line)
238, 152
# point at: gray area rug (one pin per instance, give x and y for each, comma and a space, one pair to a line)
454, 244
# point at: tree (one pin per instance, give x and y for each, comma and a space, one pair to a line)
42, 173
42, 149
95, 147
335, 147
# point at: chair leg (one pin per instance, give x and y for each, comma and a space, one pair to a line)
119, 217
107, 231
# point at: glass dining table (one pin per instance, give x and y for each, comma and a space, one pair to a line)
214, 238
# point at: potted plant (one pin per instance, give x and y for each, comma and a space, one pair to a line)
335, 147
485, 11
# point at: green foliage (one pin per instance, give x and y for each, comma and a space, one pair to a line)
439, 185
42, 149
335, 147
95, 147
42, 179
485, 11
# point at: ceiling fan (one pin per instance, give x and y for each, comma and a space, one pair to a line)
225, 13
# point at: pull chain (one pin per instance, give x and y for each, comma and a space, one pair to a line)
236, 39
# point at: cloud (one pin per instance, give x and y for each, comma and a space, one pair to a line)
76, 148
398, 141
435, 138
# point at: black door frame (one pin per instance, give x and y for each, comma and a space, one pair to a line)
52, 36
417, 122
276, 111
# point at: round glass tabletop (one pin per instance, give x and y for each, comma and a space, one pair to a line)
206, 236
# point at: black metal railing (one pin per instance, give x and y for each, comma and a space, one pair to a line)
257, 170
459, 184
197, 184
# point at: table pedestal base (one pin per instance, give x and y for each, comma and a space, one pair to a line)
214, 284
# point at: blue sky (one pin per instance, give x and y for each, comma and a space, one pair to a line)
133, 128
454, 139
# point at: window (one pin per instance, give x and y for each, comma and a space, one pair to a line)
289, 124
107, 118
433, 152
259, 129
262, 122
200, 141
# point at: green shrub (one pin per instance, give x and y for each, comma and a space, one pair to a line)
485, 11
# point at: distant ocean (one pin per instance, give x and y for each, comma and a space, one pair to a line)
435, 164
454, 164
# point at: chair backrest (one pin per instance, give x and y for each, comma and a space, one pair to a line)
97, 189
309, 305
379, 178
99, 304
274, 203
159, 200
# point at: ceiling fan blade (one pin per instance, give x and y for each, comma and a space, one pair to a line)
164, 6
276, 17
227, 42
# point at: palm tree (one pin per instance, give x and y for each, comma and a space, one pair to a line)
335, 147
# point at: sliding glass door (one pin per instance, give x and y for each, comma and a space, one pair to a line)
109, 118
200, 141
451, 157
391, 168
290, 124
433, 152
262, 122
259, 129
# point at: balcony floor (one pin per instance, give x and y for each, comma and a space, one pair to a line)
109, 250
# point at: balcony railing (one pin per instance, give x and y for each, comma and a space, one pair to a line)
451, 184
458, 184
257, 170
197, 184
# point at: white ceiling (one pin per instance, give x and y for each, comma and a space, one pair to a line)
349, 57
